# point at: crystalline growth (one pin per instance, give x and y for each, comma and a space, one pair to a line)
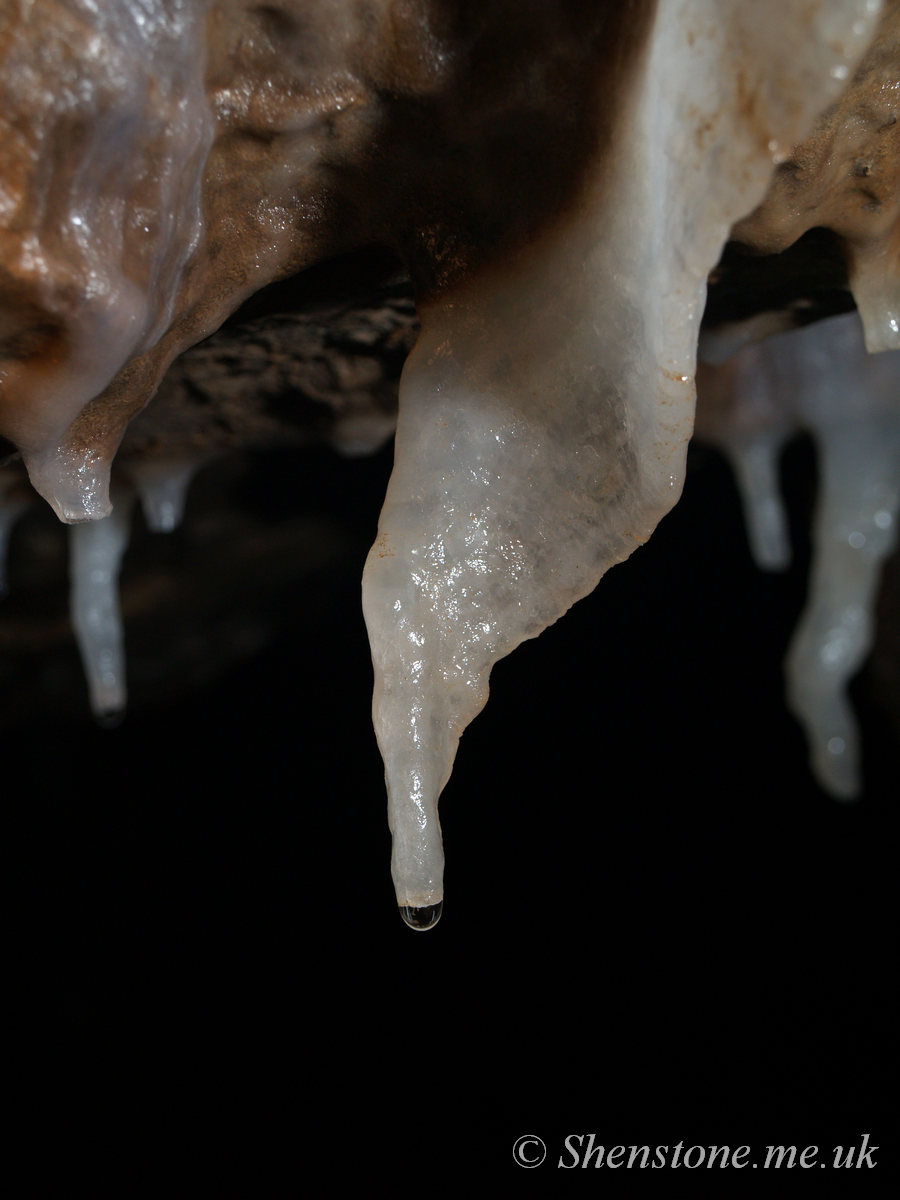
546, 410
820, 379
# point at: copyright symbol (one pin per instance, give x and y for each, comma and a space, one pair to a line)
529, 1151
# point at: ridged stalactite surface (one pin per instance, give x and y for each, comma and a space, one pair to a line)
546, 410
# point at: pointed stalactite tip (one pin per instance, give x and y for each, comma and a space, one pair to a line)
422, 918
109, 718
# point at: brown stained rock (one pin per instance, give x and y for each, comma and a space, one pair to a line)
326, 370
846, 176
845, 179
319, 128
330, 124
104, 132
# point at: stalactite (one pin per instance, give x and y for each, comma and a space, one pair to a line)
559, 217
822, 380
546, 410
162, 485
96, 549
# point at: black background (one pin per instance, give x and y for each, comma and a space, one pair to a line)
644, 887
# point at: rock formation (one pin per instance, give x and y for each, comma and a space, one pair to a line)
264, 190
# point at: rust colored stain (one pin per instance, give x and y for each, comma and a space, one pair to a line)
819, 185
451, 133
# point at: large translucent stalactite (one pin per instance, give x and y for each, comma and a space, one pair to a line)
522, 476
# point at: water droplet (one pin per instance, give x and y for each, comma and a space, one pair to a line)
422, 918
835, 745
110, 718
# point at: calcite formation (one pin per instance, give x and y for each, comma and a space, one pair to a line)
558, 182
822, 380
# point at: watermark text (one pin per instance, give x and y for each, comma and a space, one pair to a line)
588, 1150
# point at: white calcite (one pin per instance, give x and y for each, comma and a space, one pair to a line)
739, 410
821, 379
96, 549
162, 485
546, 409
95, 558
854, 531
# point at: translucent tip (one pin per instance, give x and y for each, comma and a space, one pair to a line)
422, 918
110, 718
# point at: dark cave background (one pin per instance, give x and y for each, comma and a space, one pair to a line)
637, 858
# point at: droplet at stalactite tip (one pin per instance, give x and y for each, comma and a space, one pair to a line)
422, 918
